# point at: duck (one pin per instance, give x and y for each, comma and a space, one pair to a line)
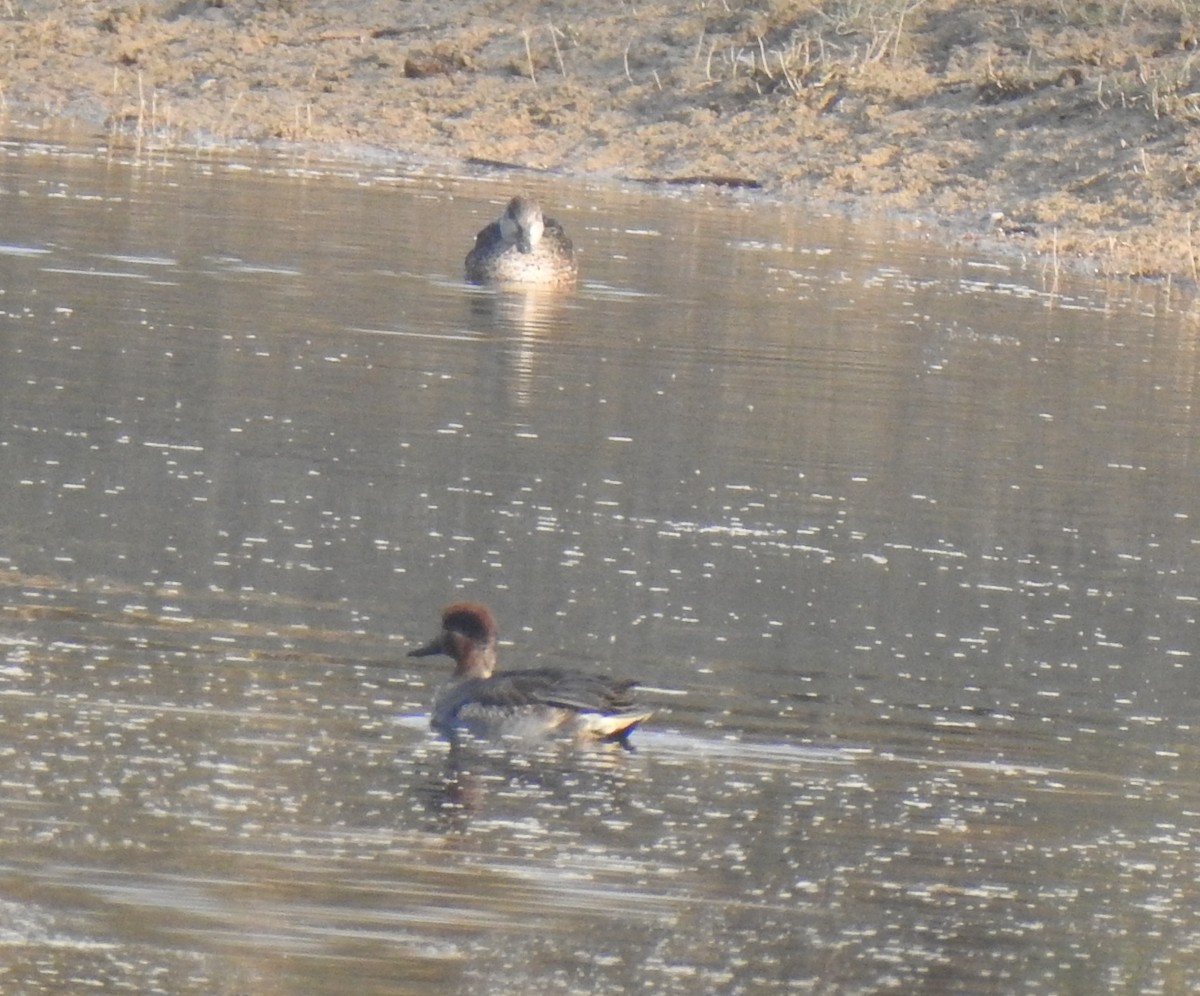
522, 246
527, 704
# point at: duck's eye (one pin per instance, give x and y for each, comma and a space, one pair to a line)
466, 624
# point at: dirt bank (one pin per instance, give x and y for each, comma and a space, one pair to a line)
1076, 120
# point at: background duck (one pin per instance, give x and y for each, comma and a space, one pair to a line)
527, 703
522, 247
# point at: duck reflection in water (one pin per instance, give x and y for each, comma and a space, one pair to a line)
546, 780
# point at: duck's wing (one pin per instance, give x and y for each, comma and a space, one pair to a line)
557, 688
554, 232
489, 235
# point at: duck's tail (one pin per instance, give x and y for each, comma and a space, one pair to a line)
616, 727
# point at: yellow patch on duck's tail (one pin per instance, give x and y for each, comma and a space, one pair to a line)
615, 727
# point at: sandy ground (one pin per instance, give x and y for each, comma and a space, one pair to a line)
1077, 121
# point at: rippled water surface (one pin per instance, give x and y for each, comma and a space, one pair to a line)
901, 542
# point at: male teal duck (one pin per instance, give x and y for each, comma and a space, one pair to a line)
531, 703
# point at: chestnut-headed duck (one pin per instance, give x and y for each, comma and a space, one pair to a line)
527, 703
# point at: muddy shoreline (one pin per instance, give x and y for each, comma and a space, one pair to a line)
1069, 134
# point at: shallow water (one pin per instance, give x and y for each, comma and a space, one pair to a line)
900, 540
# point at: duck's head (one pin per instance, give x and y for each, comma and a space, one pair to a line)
522, 223
469, 636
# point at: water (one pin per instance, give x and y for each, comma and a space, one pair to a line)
900, 540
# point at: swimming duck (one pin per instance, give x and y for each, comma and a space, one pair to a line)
522, 247
528, 703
